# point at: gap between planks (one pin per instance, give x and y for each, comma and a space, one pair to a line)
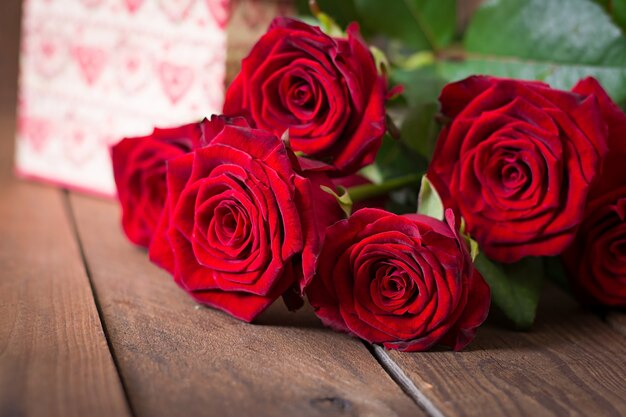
53, 355
379, 353
74, 228
397, 374
179, 360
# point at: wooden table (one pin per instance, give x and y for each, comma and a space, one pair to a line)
88, 327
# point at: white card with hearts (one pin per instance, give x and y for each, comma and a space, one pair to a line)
95, 71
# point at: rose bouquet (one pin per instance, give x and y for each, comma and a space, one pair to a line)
306, 188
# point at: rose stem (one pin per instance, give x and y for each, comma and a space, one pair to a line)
366, 191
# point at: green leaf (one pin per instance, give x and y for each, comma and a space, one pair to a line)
382, 63
473, 245
617, 10
556, 41
428, 201
555, 272
419, 129
329, 26
421, 24
394, 160
342, 196
515, 288
422, 85
342, 11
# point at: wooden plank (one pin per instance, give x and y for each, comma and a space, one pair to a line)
54, 359
179, 360
617, 321
570, 363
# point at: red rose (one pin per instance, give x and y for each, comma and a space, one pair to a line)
139, 171
596, 260
325, 90
405, 281
517, 160
240, 225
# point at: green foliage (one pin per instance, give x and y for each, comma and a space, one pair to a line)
428, 202
515, 288
342, 11
420, 24
617, 10
419, 129
556, 41
342, 196
555, 272
394, 160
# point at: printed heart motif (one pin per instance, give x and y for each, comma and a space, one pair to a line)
133, 69
176, 10
133, 5
80, 143
49, 54
176, 80
91, 60
36, 131
220, 12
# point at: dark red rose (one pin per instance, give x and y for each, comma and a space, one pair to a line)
404, 281
325, 90
139, 171
613, 170
240, 226
596, 260
517, 160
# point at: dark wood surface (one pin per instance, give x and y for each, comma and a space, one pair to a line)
617, 321
180, 359
88, 327
54, 359
570, 363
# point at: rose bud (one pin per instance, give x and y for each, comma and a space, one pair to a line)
516, 161
139, 171
326, 91
596, 260
406, 281
241, 226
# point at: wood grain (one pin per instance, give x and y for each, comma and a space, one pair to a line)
54, 359
179, 360
569, 364
617, 321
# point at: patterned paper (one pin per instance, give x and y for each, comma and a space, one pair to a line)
94, 71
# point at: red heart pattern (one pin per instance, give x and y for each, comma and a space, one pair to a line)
91, 60
176, 10
94, 71
175, 79
133, 5
219, 10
